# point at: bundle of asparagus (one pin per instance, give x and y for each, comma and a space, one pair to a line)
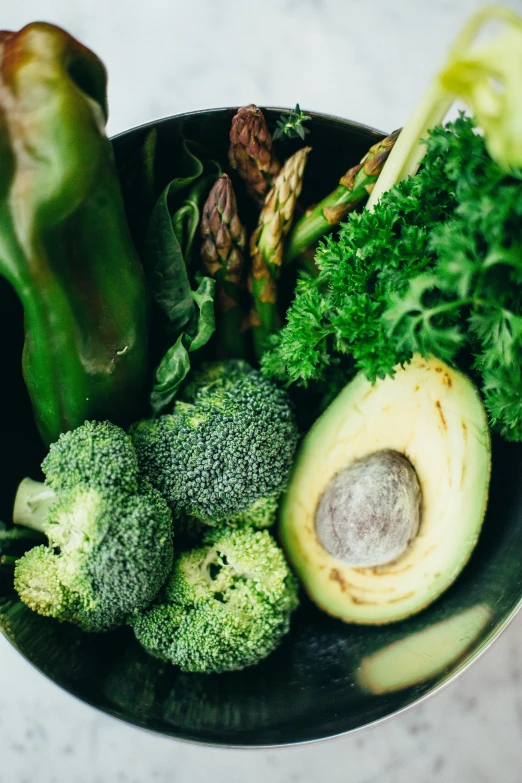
247, 290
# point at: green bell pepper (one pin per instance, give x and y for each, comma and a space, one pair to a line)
65, 245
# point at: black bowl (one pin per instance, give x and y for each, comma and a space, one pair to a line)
327, 678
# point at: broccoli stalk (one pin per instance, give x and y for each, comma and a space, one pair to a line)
32, 503
471, 73
14, 542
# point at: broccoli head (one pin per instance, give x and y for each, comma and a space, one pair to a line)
110, 549
224, 454
225, 606
98, 454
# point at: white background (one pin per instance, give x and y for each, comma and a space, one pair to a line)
364, 59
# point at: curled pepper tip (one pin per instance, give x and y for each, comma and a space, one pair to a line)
53, 51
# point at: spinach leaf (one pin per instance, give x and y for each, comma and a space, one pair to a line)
185, 220
164, 263
175, 365
165, 267
170, 238
189, 319
204, 324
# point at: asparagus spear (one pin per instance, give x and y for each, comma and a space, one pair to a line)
266, 246
251, 153
353, 187
222, 253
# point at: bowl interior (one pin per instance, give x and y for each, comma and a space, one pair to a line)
327, 677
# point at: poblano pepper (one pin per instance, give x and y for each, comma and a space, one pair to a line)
64, 242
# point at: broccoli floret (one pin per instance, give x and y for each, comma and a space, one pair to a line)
213, 378
262, 513
98, 454
225, 452
225, 606
110, 550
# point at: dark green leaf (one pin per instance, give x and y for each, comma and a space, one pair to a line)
165, 267
290, 124
164, 262
170, 374
185, 220
206, 323
175, 365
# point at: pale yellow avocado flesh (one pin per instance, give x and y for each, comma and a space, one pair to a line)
424, 654
433, 415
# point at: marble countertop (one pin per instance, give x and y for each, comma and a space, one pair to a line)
364, 59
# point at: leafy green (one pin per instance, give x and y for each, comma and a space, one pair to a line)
189, 319
186, 218
334, 320
290, 124
435, 268
486, 75
163, 256
175, 365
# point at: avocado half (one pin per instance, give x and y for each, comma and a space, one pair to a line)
432, 415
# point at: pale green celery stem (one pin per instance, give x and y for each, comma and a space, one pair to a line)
408, 152
32, 502
406, 156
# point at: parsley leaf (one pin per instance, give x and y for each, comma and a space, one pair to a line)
435, 268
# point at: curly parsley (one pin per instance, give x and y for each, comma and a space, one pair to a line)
435, 268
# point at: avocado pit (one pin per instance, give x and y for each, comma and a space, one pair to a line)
370, 511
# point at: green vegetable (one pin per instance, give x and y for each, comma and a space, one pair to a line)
14, 542
290, 124
187, 217
175, 365
187, 320
110, 540
440, 278
333, 327
353, 188
435, 268
250, 152
226, 605
266, 246
225, 451
222, 252
388, 493
64, 242
97, 454
471, 297
164, 260
487, 77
